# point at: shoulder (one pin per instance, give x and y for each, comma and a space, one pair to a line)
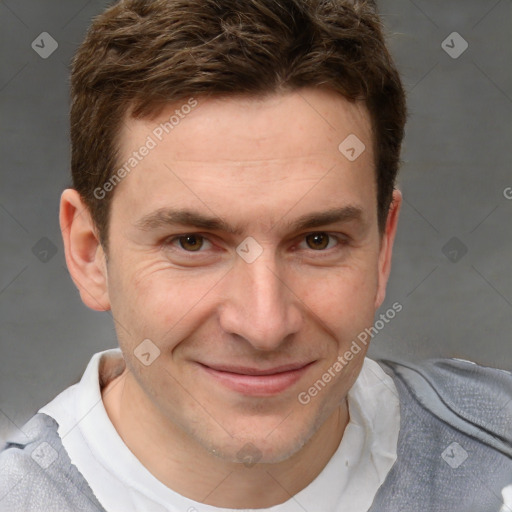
454, 450
457, 379
37, 473
473, 398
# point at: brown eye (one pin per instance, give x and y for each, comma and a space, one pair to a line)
318, 241
191, 243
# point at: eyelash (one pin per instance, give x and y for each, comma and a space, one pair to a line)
342, 242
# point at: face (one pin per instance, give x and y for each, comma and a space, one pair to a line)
245, 246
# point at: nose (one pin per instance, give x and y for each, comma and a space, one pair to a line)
259, 304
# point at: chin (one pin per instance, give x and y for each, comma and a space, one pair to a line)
265, 447
250, 452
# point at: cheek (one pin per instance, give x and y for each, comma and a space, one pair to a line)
152, 300
157, 302
343, 297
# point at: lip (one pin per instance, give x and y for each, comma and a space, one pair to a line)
257, 381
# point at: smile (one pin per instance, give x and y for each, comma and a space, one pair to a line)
257, 382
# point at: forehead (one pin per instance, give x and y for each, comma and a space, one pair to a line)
306, 121
254, 152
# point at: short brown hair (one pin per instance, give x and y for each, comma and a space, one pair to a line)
142, 54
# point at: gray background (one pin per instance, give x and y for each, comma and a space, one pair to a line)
457, 165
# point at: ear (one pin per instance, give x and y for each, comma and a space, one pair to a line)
84, 254
386, 246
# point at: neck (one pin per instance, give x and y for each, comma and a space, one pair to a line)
184, 466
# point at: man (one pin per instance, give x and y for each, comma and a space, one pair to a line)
234, 208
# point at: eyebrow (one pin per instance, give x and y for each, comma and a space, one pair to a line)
165, 217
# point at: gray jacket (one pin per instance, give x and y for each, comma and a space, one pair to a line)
454, 448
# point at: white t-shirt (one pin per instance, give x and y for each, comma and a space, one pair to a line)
349, 481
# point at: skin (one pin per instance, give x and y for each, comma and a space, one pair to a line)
258, 163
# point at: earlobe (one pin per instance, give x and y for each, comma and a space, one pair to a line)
386, 249
85, 258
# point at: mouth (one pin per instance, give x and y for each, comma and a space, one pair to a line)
257, 381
